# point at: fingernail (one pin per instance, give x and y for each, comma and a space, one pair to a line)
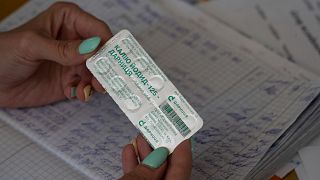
134, 144
89, 45
87, 92
156, 157
73, 92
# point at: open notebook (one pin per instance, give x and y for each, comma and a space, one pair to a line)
290, 28
247, 96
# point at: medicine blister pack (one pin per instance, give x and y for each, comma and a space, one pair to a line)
143, 92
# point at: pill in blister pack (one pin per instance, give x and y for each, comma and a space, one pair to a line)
143, 92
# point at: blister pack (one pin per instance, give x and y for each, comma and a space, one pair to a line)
143, 92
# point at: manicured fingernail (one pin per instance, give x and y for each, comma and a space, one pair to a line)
89, 45
156, 157
87, 92
134, 144
73, 92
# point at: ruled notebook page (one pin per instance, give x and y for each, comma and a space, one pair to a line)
289, 27
22, 159
245, 103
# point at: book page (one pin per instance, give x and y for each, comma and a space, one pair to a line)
238, 40
245, 102
288, 27
20, 158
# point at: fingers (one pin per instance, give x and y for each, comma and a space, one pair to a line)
70, 86
152, 167
129, 159
35, 48
84, 91
84, 88
143, 147
65, 34
68, 55
78, 82
180, 162
145, 172
69, 17
81, 91
67, 52
154, 164
134, 144
97, 86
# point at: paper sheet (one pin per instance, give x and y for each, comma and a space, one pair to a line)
310, 160
289, 27
22, 159
229, 35
301, 173
246, 103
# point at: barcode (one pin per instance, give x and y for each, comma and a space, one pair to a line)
175, 119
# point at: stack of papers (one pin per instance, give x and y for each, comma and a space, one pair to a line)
253, 101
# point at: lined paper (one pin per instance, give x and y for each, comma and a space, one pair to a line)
22, 159
246, 104
288, 27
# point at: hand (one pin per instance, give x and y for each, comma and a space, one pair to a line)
43, 61
154, 164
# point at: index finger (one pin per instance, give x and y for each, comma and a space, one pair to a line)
86, 25
180, 162
70, 17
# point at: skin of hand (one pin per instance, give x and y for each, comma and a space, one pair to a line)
43, 62
177, 166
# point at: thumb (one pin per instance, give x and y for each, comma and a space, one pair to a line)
67, 52
152, 167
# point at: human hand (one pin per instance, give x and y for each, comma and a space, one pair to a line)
43, 61
154, 165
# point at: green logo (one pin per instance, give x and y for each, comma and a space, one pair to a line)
141, 123
171, 98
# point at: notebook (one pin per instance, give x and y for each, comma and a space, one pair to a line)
21, 158
250, 98
288, 27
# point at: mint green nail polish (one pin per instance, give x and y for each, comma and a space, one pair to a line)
156, 157
73, 92
89, 45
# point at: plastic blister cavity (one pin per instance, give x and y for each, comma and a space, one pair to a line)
143, 92
157, 82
